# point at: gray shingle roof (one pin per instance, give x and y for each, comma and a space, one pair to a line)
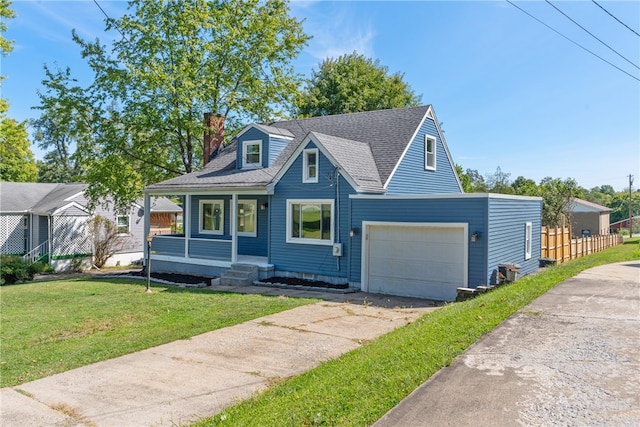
386, 132
355, 158
43, 198
35, 197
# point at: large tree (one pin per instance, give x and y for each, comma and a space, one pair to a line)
174, 61
353, 83
16, 159
557, 198
61, 127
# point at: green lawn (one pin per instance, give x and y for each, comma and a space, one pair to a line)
361, 386
50, 327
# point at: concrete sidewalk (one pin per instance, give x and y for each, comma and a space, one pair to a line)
570, 358
186, 380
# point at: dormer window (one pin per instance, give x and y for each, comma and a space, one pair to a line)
310, 165
252, 154
429, 152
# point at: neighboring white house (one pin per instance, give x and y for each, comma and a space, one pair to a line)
49, 221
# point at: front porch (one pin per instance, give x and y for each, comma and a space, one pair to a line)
219, 231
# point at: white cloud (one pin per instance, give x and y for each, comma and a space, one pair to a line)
337, 28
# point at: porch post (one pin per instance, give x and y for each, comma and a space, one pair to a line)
147, 225
186, 223
234, 227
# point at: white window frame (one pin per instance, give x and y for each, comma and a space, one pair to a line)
306, 176
245, 146
528, 244
203, 202
309, 241
430, 156
254, 203
118, 226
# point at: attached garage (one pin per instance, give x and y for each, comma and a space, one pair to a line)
425, 260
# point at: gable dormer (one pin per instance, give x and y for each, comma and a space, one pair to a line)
259, 146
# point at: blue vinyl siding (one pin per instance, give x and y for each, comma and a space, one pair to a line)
195, 217
506, 233
276, 145
313, 259
472, 211
168, 245
411, 176
253, 134
210, 249
256, 246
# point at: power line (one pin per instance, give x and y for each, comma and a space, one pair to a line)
611, 15
575, 43
111, 20
591, 34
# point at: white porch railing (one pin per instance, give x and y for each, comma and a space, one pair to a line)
36, 253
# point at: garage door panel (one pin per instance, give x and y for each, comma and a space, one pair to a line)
416, 250
423, 261
415, 288
416, 269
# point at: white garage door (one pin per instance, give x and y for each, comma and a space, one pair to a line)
418, 260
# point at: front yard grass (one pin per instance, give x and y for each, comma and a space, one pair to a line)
361, 386
50, 327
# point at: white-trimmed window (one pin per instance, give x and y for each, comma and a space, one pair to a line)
310, 165
247, 218
310, 221
430, 152
123, 224
211, 216
527, 240
252, 154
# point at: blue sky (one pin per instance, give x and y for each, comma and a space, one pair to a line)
509, 91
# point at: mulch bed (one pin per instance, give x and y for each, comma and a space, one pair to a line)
173, 277
195, 280
303, 282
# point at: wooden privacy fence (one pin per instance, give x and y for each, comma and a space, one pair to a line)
557, 243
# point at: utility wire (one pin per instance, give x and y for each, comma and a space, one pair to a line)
611, 15
567, 38
111, 20
590, 33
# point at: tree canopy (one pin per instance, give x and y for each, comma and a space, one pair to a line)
16, 159
141, 120
353, 83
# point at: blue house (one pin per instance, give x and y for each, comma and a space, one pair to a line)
368, 199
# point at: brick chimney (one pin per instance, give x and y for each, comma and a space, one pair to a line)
213, 135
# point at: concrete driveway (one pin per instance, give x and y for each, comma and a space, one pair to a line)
186, 380
571, 358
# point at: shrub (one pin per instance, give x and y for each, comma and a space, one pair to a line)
14, 269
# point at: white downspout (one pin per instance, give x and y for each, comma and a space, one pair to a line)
234, 228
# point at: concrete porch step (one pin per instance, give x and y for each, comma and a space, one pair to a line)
240, 274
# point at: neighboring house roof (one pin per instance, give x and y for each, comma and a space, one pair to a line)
59, 197
580, 205
24, 197
382, 137
48, 198
635, 218
162, 204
